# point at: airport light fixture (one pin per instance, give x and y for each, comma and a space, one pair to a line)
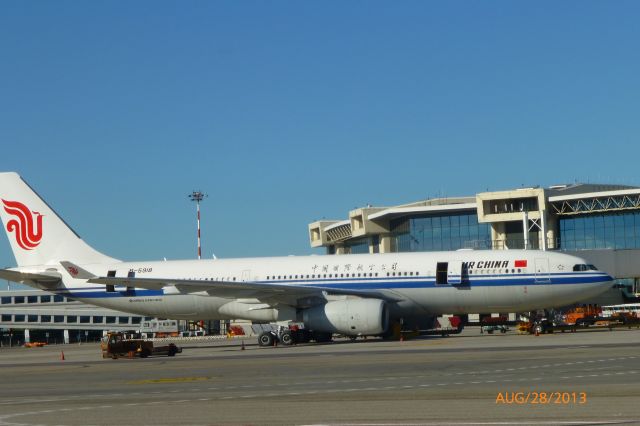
198, 196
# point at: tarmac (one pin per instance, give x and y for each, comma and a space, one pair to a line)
588, 377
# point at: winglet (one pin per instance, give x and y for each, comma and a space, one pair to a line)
77, 272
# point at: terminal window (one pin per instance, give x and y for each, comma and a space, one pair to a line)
72, 319
111, 320
606, 230
123, 320
58, 299
32, 318
18, 318
45, 318
58, 318
18, 299
85, 319
440, 232
6, 318
98, 320
6, 300
45, 299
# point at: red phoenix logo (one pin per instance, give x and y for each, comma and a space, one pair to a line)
73, 271
27, 236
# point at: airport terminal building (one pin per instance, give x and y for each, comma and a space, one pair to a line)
600, 223
34, 315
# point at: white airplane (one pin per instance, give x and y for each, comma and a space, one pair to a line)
349, 294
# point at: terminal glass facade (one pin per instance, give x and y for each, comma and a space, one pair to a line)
599, 231
360, 246
441, 232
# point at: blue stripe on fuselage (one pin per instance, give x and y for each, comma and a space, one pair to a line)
375, 283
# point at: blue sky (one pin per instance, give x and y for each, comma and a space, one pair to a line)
288, 112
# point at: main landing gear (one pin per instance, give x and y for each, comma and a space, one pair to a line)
291, 336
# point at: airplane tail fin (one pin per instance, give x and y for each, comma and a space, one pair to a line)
38, 236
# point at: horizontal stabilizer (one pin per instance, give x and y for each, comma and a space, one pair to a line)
42, 279
76, 271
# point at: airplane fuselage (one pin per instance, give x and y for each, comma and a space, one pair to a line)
486, 281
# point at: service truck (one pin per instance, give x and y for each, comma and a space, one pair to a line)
120, 344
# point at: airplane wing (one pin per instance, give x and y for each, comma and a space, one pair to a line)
42, 279
266, 292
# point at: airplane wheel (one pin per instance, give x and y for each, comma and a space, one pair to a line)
266, 339
286, 338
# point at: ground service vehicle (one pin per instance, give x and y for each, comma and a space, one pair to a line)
118, 344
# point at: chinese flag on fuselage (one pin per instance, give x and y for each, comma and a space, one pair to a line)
521, 263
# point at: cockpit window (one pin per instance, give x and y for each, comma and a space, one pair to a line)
582, 267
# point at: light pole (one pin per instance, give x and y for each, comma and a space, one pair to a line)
198, 196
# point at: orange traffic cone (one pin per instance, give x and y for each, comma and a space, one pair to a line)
61, 355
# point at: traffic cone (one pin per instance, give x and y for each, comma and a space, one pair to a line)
61, 355
242, 346
537, 333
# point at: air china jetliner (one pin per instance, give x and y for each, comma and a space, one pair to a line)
350, 294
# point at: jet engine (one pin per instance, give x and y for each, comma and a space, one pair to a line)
350, 317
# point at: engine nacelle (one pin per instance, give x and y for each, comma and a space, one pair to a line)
350, 316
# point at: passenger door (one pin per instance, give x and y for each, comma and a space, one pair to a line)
449, 272
542, 270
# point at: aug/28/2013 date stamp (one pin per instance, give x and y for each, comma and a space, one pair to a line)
541, 398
